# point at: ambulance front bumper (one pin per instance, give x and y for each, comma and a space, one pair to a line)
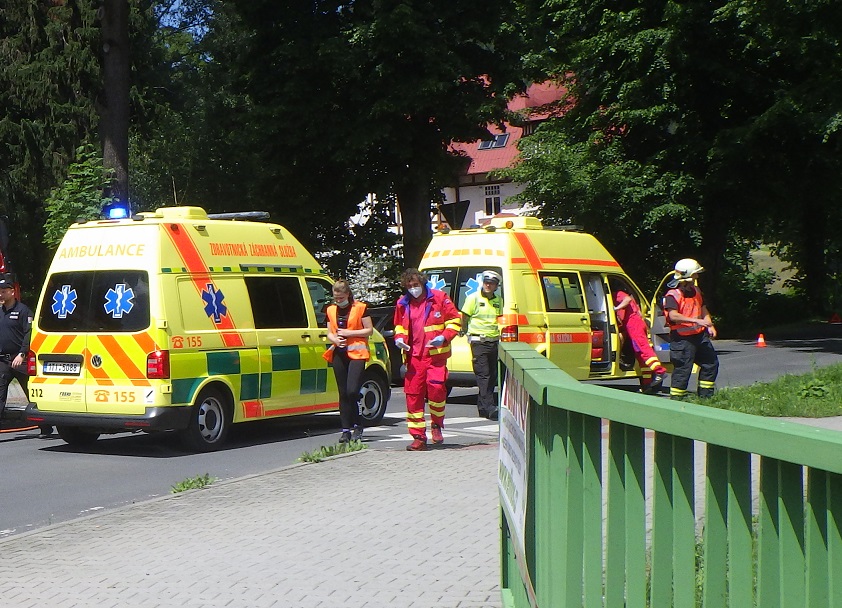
155, 419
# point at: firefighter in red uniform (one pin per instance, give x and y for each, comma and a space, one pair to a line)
425, 323
691, 330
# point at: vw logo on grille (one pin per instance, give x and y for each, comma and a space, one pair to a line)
96, 361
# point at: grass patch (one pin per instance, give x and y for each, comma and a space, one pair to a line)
816, 394
326, 451
193, 483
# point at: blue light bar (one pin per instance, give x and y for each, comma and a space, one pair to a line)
116, 210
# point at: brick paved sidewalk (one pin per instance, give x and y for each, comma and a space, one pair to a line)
382, 529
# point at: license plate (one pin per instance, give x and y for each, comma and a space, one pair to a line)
65, 369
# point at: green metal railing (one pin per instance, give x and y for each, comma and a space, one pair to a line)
624, 509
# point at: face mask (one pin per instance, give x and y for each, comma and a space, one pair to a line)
343, 304
415, 292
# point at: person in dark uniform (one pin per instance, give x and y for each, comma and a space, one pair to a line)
15, 332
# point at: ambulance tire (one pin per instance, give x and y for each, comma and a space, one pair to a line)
210, 421
73, 435
373, 397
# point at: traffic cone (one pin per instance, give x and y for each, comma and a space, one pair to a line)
761, 341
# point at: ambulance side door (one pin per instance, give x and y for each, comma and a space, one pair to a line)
568, 331
657, 321
284, 340
319, 295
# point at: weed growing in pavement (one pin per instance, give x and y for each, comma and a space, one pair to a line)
816, 394
192, 483
326, 451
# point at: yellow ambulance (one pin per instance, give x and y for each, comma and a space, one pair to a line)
182, 321
557, 294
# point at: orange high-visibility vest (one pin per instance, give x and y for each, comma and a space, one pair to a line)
357, 348
689, 307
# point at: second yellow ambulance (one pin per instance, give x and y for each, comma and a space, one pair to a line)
557, 294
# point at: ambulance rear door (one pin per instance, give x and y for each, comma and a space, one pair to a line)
92, 352
567, 326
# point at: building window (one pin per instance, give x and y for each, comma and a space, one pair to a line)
492, 200
499, 141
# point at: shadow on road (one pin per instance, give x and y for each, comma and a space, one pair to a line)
167, 444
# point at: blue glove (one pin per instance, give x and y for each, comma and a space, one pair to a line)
436, 342
402, 345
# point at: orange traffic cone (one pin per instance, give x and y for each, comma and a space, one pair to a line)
761, 341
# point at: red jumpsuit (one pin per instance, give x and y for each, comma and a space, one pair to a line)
634, 327
416, 323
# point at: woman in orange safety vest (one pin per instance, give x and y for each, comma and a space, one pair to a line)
348, 328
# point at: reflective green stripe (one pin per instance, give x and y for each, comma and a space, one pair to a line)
183, 389
313, 381
249, 386
285, 358
224, 363
265, 385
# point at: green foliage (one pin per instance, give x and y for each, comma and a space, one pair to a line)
49, 80
193, 483
697, 126
80, 196
813, 395
326, 451
352, 99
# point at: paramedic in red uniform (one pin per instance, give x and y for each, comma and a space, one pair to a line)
691, 330
425, 323
635, 330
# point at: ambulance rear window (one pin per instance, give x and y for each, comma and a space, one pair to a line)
107, 301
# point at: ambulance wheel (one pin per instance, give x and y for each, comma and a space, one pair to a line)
210, 419
73, 435
373, 398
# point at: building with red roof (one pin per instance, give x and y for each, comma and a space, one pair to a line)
476, 195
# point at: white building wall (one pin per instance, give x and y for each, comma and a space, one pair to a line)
477, 194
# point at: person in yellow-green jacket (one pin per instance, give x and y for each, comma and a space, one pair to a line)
480, 312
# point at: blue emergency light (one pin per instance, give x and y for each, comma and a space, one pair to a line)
117, 210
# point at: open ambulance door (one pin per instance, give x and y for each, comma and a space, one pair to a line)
659, 330
568, 327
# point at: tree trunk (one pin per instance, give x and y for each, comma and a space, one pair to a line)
413, 195
114, 120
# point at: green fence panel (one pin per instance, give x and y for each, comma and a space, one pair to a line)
613, 520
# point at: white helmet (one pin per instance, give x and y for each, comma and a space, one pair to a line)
490, 275
685, 269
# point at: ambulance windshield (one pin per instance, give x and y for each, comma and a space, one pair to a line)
107, 301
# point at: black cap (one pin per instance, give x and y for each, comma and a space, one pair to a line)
6, 281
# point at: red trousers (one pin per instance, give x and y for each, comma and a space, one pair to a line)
635, 330
424, 382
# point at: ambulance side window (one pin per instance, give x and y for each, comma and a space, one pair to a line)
321, 293
276, 302
562, 292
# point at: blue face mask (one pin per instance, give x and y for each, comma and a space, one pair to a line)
344, 304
